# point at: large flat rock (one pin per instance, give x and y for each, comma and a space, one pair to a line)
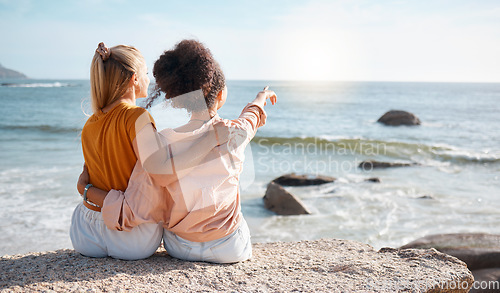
486, 280
478, 250
322, 265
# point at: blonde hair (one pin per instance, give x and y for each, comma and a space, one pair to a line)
109, 79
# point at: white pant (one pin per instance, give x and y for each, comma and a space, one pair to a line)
229, 249
91, 237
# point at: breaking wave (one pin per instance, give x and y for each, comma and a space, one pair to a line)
41, 128
418, 152
37, 85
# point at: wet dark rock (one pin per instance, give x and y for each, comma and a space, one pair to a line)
477, 250
282, 202
426, 197
293, 179
373, 180
369, 165
486, 280
398, 117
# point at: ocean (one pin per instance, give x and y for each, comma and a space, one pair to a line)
316, 128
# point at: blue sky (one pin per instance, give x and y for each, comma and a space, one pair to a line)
425, 40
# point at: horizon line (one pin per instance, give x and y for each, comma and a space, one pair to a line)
286, 80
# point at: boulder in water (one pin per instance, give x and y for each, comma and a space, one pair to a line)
293, 179
282, 202
477, 250
398, 117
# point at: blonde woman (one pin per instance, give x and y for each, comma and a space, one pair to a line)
118, 76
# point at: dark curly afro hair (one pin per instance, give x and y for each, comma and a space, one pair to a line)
186, 68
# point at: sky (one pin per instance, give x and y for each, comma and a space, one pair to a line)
344, 40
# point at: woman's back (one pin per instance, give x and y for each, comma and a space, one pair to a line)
107, 142
204, 203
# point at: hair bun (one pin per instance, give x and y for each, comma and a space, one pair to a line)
104, 51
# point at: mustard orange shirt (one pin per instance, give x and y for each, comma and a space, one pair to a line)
107, 143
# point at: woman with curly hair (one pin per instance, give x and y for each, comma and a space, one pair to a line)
200, 211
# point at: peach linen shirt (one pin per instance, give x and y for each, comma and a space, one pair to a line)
204, 204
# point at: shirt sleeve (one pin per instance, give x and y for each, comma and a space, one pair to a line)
252, 117
138, 119
243, 129
142, 202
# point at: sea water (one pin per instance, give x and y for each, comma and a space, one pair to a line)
316, 128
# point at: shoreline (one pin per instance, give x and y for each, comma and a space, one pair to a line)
324, 265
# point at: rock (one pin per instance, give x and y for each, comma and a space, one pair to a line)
373, 180
477, 250
293, 179
9, 73
369, 165
326, 265
398, 117
282, 202
426, 197
486, 280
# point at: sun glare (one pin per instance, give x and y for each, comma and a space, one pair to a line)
317, 56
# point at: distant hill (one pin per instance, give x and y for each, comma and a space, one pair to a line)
9, 73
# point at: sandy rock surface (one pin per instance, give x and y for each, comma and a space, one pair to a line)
324, 265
